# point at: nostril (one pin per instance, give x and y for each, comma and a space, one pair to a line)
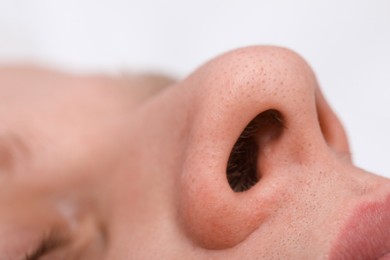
242, 172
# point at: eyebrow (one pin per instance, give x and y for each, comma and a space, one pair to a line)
13, 149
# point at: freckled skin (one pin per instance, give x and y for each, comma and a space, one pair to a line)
140, 173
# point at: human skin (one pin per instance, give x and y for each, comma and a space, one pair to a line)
111, 171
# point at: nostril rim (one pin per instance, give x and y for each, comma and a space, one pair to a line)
242, 172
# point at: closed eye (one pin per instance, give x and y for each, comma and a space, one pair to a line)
48, 243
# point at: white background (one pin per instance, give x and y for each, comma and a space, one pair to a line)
347, 42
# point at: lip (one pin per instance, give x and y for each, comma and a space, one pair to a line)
366, 234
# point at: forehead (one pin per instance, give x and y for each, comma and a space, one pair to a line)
58, 118
26, 91
40, 101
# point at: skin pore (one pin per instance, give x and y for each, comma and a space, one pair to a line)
243, 159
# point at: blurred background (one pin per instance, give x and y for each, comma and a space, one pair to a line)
346, 42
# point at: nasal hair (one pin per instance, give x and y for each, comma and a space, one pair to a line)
242, 172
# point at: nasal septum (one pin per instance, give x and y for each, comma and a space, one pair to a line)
258, 113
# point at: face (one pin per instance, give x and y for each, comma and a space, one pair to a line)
243, 159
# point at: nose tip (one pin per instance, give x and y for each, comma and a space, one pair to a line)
235, 88
229, 93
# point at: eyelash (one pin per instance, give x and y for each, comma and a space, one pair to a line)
49, 242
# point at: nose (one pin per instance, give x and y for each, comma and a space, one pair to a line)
266, 154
